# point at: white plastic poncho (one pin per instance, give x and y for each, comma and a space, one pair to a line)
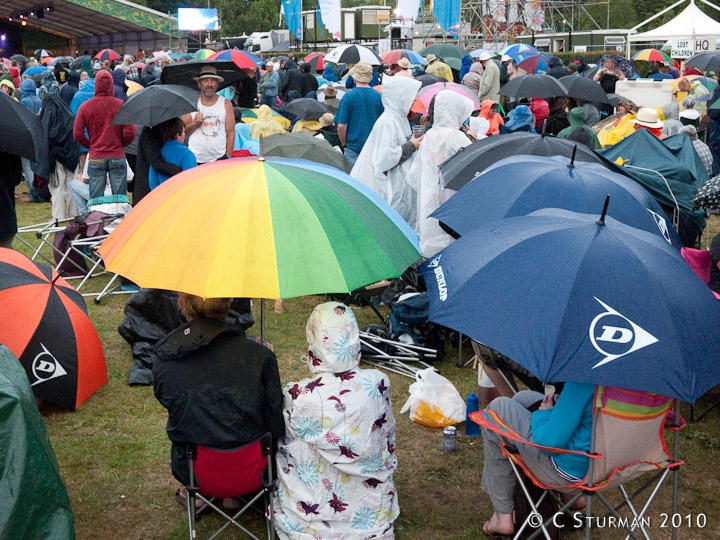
441, 142
377, 165
335, 465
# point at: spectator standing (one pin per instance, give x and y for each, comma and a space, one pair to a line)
269, 86
106, 142
309, 82
29, 100
358, 111
490, 80
701, 148
212, 128
10, 176
435, 66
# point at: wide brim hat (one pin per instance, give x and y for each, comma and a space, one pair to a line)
648, 117
430, 58
404, 63
329, 90
327, 120
208, 72
361, 72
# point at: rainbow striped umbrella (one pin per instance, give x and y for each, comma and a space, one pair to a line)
203, 54
254, 228
651, 55
242, 59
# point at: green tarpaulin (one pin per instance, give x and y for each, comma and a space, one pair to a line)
35, 504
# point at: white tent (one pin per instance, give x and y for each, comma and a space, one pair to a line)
689, 24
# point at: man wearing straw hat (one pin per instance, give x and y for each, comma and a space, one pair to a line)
211, 130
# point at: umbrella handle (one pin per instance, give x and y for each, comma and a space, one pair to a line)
262, 315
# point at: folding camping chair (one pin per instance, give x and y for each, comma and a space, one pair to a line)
245, 473
627, 441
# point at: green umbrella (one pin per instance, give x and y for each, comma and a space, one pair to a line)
443, 50
304, 146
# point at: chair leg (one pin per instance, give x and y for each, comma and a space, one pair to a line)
190, 503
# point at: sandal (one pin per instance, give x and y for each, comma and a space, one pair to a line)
181, 498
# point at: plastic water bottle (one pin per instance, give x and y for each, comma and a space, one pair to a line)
472, 404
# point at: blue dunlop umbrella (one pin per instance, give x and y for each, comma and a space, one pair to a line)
577, 299
519, 185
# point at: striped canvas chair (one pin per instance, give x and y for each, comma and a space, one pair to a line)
628, 441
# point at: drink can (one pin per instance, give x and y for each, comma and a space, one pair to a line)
449, 440
418, 131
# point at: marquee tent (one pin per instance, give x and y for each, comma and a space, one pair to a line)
689, 23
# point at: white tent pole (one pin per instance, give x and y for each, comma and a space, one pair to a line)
660, 14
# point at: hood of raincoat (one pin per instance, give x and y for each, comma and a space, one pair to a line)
290, 64
577, 117
485, 107
118, 76
104, 85
27, 88
554, 61
477, 67
399, 94
451, 109
333, 339
671, 111
73, 78
520, 116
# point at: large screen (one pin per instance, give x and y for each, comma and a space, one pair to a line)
190, 19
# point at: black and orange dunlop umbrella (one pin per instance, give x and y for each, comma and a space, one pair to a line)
46, 326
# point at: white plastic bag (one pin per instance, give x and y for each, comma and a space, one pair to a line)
434, 401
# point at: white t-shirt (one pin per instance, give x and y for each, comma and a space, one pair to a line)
208, 141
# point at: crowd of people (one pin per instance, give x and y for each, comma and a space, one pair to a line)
343, 459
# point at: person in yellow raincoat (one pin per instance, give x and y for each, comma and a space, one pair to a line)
265, 125
616, 131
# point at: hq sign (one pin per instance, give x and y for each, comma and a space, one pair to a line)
685, 48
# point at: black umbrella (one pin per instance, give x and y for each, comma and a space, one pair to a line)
530, 86
304, 146
615, 99
157, 103
469, 162
184, 73
42, 53
586, 89
590, 72
705, 61
306, 108
21, 132
78, 62
19, 58
427, 79
708, 196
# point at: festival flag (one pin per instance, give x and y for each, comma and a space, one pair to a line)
330, 11
293, 17
447, 15
407, 11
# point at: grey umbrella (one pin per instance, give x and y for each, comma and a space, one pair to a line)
530, 86
306, 108
586, 89
705, 61
304, 146
21, 132
156, 104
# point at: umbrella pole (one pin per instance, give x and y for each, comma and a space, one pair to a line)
262, 320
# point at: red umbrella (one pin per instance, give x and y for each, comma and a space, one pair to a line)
317, 60
241, 60
107, 54
46, 326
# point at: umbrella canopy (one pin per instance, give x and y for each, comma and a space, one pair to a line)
47, 60
203, 54
708, 196
240, 58
45, 325
133, 86
577, 299
78, 62
352, 54
279, 228
21, 132
34, 70
417, 105
469, 162
250, 115
707, 82
651, 55
533, 63
582, 88
184, 73
41, 53
477, 52
304, 146
519, 185
341, 90
19, 58
443, 50
514, 49
155, 104
705, 61
394, 56
426, 93
306, 108
529, 86
7, 63
107, 54
316, 60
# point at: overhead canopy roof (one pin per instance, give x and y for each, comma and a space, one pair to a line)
691, 22
83, 18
